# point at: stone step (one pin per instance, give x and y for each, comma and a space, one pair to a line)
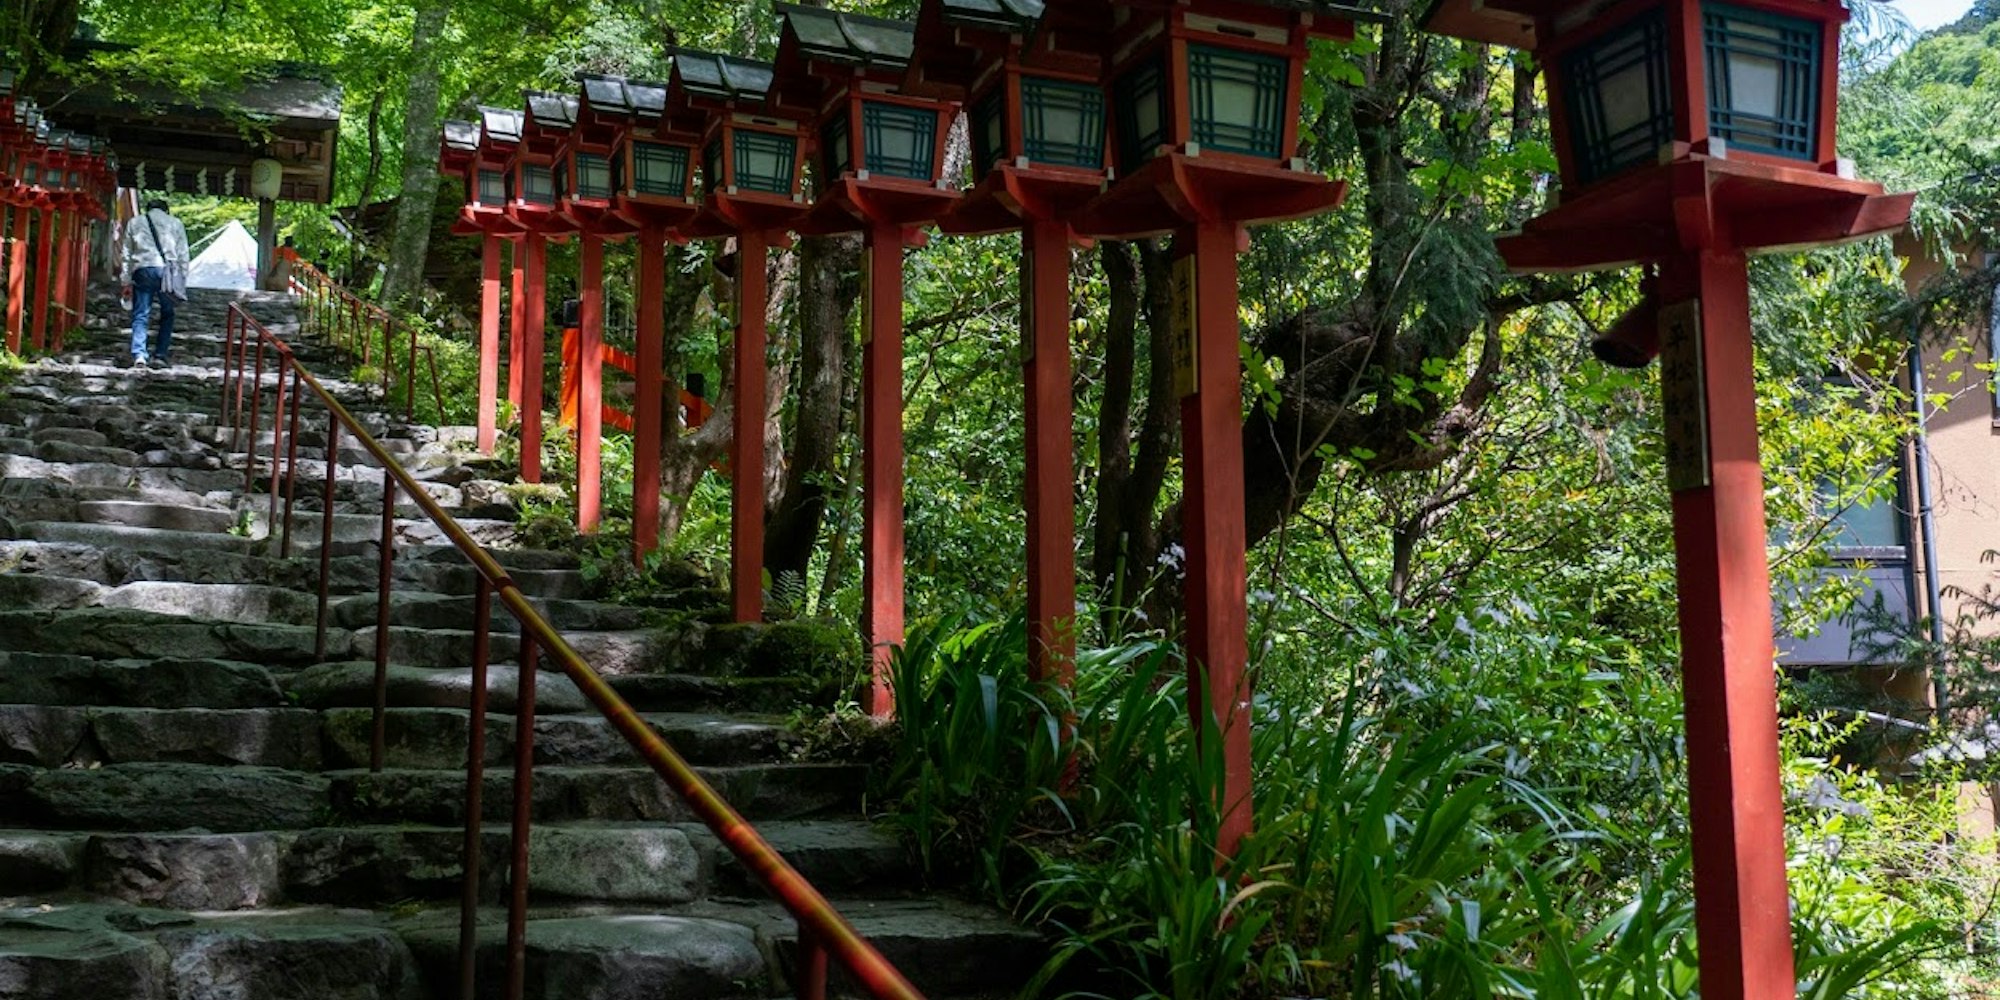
440, 611
120, 536
93, 952
203, 482
761, 792
435, 738
120, 633
178, 796
364, 866
351, 574
81, 681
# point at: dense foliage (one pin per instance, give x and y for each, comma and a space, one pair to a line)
1471, 778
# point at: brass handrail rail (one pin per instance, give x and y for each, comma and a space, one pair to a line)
823, 932
321, 293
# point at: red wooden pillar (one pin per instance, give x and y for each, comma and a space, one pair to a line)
17, 279
1212, 511
1050, 484
65, 276
747, 450
649, 400
534, 303
517, 330
882, 462
489, 342
44, 262
1736, 802
590, 381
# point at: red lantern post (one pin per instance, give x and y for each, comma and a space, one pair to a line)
471, 154
1690, 134
880, 173
1205, 112
753, 183
655, 192
533, 207
586, 163
1040, 124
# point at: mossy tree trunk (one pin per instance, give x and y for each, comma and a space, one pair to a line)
410, 238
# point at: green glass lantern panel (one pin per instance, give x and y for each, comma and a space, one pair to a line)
711, 166
836, 147
659, 170
1239, 100
32, 174
766, 162
899, 141
1140, 97
538, 184
492, 187
1063, 123
989, 130
1763, 80
593, 176
1621, 107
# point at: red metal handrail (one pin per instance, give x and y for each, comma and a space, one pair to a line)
353, 324
823, 933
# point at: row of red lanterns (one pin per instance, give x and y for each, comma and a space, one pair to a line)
56, 186
1688, 132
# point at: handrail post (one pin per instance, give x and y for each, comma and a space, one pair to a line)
385, 565
228, 343
277, 432
326, 531
524, 792
810, 967
410, 379
291, 465
475, 779
250, 442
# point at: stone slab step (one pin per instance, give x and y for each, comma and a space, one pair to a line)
441, 611
435, 738
63, 735
130, 538
372, 866
205, 482
599, 956
94, 952
350, 574
57, 680
172, 796
620, 794
119, 633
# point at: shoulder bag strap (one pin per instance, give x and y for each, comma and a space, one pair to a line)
158, 247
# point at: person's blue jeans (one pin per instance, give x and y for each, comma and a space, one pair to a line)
145, 289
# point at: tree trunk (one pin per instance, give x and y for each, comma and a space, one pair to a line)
827, 292
409, 241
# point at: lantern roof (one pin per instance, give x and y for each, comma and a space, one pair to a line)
604, 94
7, 78
1016, 17
1337, 16
461, 136
552, 111
727, 79
500, 125
870, 43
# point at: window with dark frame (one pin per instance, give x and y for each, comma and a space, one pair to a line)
593, 175
659, 170
1621, 108
493, 187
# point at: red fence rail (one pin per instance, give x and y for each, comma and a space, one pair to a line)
360, 327
823, 933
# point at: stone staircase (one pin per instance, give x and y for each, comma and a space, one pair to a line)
186, 811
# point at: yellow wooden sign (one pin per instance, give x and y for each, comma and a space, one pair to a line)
1182, 340
1684, 397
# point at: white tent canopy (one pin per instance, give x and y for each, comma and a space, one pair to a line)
229, 262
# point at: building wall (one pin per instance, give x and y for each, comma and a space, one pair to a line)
1964, 470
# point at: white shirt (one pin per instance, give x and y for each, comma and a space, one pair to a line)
141, 251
